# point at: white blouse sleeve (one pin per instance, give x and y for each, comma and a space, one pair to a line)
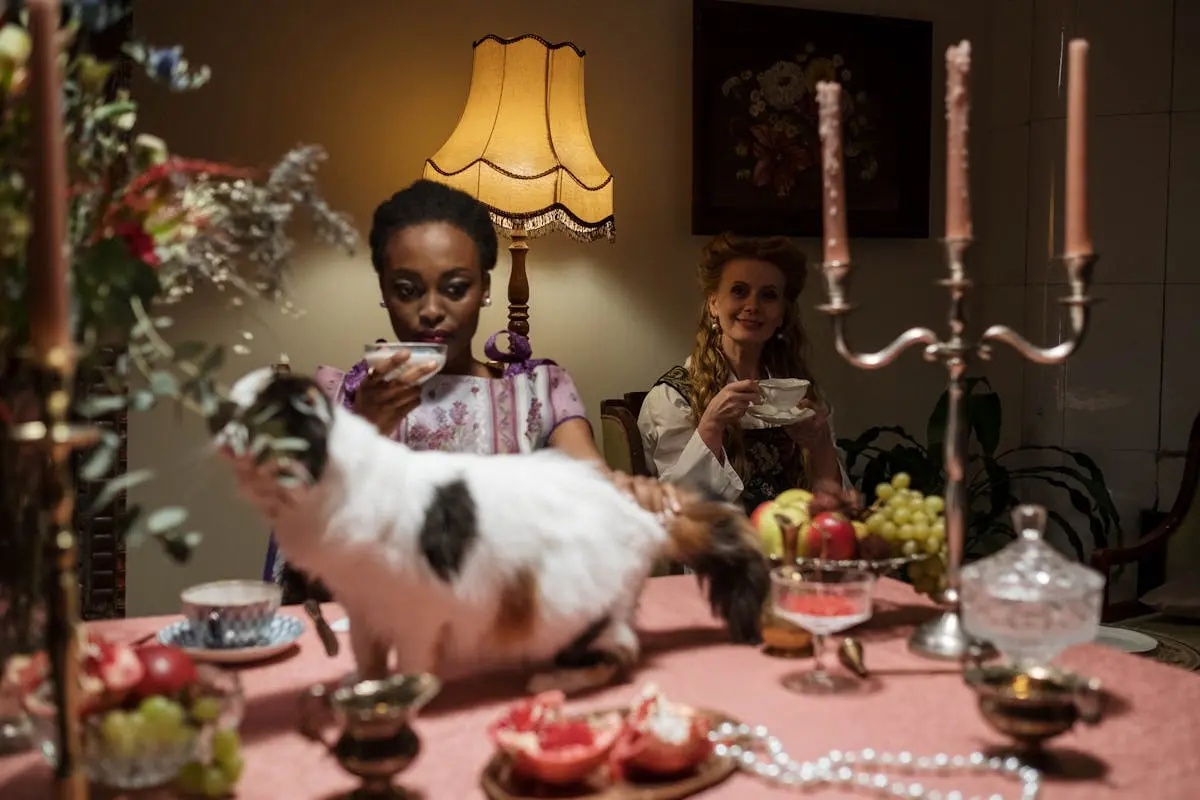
674, 450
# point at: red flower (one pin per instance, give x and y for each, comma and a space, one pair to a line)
780, 159
140, 243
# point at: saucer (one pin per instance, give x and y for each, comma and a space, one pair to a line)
1125, 640
777, 416
282, 634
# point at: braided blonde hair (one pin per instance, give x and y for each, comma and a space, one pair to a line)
782, 356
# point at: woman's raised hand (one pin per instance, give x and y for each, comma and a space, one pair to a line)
730, 404
383, 402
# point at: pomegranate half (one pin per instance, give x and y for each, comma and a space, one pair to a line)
662, 738
549, 746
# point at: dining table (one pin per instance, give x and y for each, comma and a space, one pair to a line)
1147, 747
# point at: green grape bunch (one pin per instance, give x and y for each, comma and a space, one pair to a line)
912, 523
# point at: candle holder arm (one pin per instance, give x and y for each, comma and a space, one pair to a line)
889, 353
1078, 302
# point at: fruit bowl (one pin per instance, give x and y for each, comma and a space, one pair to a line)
880, 567
148, 743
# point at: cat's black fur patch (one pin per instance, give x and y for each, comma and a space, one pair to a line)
737, 573
449, 530
290, 407
579, 653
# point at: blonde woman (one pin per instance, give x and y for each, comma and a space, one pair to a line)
694, 422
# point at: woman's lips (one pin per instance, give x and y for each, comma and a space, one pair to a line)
751, 324
434, 337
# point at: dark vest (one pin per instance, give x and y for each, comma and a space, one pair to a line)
774, 463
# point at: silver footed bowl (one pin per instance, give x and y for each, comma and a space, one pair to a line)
880, 567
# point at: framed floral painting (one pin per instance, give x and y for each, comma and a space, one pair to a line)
755, 148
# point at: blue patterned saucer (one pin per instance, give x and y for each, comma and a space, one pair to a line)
283, 633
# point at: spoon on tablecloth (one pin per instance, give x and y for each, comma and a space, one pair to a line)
328, 637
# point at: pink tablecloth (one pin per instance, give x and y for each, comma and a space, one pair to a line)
1149, 749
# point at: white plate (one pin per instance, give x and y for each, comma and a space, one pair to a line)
775, 416
1125, 640
285, 630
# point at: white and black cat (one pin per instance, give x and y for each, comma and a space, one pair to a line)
450, 560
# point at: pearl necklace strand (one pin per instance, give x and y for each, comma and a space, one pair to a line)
755, 750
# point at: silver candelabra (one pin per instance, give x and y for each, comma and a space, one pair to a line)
943, 637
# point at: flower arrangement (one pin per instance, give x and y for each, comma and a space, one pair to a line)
774, 121
145, 228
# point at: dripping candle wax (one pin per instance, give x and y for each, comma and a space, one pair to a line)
833, 179
1078, 237
958, 109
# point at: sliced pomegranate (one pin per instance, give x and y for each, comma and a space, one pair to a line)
108, 670
25, 673
661, 737
549, 746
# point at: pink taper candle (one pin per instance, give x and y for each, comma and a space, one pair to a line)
829, 100
48, 294
1078, 239
958, 110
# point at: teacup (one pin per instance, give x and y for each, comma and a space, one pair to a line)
231, 614
377, 354
782, 394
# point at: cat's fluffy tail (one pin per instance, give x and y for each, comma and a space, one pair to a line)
717, 541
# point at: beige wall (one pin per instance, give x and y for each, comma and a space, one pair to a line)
381, 84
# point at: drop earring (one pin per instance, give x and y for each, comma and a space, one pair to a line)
716, 326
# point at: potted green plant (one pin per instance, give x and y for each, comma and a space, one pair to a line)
995, 478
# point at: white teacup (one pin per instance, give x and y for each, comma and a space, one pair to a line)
234, 613
783, 394
378, 353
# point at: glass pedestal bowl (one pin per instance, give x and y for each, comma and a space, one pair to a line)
1028, 600
138, 758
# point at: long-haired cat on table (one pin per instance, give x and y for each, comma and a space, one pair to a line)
448, 558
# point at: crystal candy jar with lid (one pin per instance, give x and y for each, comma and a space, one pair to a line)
1029, 601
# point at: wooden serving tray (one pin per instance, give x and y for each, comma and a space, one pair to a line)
500, 784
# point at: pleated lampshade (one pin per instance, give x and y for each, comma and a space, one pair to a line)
522, 145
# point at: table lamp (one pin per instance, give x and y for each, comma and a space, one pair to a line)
523, 149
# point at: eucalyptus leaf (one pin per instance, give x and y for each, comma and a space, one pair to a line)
187, 351
99, 405
102, 456
176, 547
116, 486
142, 400
164, 384
212, 361
164, 519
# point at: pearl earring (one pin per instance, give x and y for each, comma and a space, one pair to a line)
382, 304
716, 326
487, 300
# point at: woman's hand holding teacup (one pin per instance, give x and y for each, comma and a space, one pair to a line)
730, 404
384, 401
814, 430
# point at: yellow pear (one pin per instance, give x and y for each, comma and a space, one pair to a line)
795, 498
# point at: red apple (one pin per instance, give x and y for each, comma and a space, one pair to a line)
164, 670
832, 533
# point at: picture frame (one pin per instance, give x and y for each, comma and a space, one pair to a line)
755, 144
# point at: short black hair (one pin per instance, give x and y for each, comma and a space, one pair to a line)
430, 201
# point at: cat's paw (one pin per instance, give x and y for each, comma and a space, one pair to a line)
574, 681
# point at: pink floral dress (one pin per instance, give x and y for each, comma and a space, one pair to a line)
514, 413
